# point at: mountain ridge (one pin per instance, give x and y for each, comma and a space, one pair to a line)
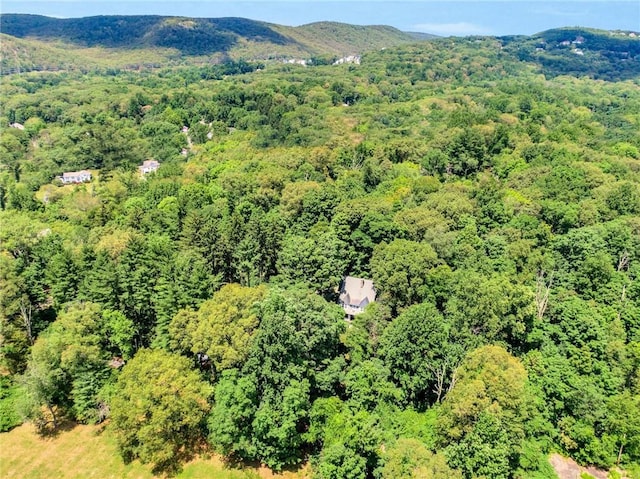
36, 43
204, 36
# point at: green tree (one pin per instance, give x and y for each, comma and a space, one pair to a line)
421, 350
17, 330
206, 231
338, 461
350, 439
289, 365
491, 308
622, 423
100, 283
167, 217
410, 458
137, 273
120, 332
66, 368
467, 153
223, 327
368, 383
365, 331
314, 261
482, 418
404, 272
63, 276
45, 388
485, 451
235, 405
278, 421
158, 409
9, 393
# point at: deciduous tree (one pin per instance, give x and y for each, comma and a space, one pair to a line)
158, 409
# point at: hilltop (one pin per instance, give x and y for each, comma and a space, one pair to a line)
233, 37
36, 43
599, 54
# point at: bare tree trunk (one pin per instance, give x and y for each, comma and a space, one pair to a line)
624, 436
453, 382
26, 311
623, 298
623, 262
440, 374
53, 415
543, 288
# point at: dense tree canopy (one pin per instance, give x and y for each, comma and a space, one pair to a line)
158, 409
496, 211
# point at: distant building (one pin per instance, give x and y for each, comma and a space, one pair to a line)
19, 126
296, 61
355, 294
75, 177
148, 166
355, 59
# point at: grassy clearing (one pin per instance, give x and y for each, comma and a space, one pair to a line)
90, 452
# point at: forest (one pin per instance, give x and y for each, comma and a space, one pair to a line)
179, 39
495, 207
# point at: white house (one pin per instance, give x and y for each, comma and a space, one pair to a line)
355, 59
148, 166
75, 177
355, 294
297, 61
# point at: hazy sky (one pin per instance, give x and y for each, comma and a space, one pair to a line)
452, 17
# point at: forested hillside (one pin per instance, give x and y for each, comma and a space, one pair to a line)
195, 308
219, 37
581, 52
106, 44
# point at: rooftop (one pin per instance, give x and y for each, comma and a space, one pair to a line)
356, 293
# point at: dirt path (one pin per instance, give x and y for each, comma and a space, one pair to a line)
568, 468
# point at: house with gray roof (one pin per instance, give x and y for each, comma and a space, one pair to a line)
71, 177
355, 294
148, 166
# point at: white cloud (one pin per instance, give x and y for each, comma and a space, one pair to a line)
459, 28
